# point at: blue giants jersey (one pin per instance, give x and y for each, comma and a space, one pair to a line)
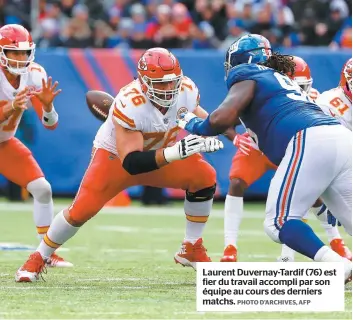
278, 110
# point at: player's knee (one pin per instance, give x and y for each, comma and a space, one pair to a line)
40, 190
271, 230
74, 220
237, 187
204, 177
201, 195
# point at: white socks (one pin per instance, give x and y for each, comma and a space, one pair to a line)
43, 209
43, 216
59, 232
331, 232
233, 214
287, 253
196, 214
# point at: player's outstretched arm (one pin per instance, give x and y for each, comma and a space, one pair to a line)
226, 115
136, 161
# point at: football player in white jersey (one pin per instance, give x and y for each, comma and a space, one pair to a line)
24, 83
330, 103
337, 102
137, 145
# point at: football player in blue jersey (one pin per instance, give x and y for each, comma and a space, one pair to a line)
312, 150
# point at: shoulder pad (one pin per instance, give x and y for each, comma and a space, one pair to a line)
192, 93
36, 74
127, 109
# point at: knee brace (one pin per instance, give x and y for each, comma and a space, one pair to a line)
40, 190
201, 195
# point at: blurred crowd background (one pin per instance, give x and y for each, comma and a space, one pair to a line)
194, 24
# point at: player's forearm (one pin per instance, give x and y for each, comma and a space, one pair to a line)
6, 111
207, 128
230, 134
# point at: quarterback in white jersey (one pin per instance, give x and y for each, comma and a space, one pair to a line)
23, 84
137, 145
337, 102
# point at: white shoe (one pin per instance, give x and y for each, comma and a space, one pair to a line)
58, 262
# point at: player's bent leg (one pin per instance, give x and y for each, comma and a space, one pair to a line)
198, 179
28, 174
43, 209
245, 170
43, 215
197, 208
290, 197
103, 179
329, 223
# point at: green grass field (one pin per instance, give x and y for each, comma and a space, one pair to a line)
124, 267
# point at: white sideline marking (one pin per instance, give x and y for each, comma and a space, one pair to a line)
133, 210
128, 229
68, 287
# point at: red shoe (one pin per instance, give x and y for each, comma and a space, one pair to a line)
31, 270
190, 253
338, 246
230, 254
58, 262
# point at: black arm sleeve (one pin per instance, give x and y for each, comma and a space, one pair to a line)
137, 162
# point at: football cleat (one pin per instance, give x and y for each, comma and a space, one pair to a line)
58, 262
32, 269
230, 254
338, 246
190, 253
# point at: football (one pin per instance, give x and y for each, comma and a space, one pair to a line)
99, 103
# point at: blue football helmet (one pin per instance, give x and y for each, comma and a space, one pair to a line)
251, 48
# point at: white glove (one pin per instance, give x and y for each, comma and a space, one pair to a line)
212, 144
184, 148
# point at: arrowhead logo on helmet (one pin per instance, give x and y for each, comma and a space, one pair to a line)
160, 76
16, 37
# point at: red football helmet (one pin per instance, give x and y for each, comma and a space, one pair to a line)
302, 74
346, 79
160, 76
16, 37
